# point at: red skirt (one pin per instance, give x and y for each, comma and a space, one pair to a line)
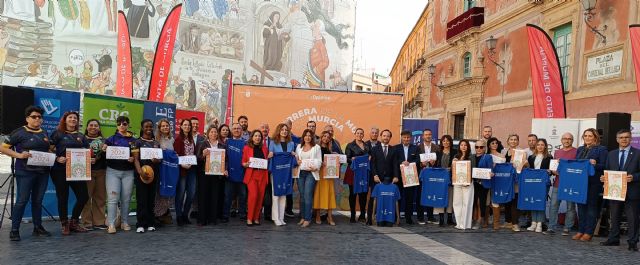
348, 176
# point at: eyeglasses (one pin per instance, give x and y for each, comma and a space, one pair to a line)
478, 147
123, 124
36, 117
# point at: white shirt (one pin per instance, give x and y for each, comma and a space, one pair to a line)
406, 152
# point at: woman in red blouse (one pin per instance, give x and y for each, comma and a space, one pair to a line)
255, 179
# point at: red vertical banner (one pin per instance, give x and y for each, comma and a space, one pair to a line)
546, 77
164, 54
182, 114
634, 35
124, 80
227, 117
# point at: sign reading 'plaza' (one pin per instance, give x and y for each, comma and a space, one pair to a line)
604, 66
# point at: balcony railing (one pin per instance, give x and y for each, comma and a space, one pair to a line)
474, 17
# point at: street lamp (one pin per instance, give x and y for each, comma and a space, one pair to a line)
431, 69
589, 7
491, 45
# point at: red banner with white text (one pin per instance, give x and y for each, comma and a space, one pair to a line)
634, 32
227, 118
182, 114
546, 78
124, 80
164, 55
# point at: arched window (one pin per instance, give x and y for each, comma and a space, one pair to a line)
466, 65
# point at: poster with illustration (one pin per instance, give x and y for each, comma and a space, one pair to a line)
615, 185
78, 164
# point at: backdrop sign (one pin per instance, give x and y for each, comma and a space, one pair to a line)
188, 114
635, 134
107, 109
346, 111
156, 111
55, 103
416, 126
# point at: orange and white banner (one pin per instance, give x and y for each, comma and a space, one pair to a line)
346, 111
124, 80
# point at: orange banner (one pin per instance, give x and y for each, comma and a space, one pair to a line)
124, 81
164, 54
546, 77
346, 111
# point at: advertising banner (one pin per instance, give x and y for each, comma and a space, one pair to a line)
107, 109
156, 111
188, 114
546, 79
346, 111
55, 103
124, 75
163, 56
416, 126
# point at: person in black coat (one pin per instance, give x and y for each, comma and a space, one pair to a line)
382, 162
625, 158
406, 153
354, 149
209, 186
427, 146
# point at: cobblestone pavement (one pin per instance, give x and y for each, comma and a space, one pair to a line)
234, 243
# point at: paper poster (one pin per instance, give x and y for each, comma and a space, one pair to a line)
308, 164
78, 164
553, 164
187, 160
498, 160
150, 153
258, 163
343, 159
518, 159
615, 185
331, 166
215, 164
38, 158
481, 173
409, 175
426, 157
118, 152
461, 173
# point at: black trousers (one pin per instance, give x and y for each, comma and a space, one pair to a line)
59, 178
266, 204
631, 210
207, 189
145, 201
289, 204
480, 196
511, 212
221, 185
409, 194
362, 199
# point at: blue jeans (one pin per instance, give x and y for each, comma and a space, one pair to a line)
588, 213
29, 184
553, 211
186, 186
232, 190
119, 187
537, 216
306, 187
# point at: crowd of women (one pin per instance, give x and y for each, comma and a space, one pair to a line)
247, 192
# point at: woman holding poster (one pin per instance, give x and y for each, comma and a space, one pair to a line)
119, 174
31, 181
539, 160
463, 194
144, 179
444, 158
354, 149
511, 212
597, 156
324, 197
185, 146
280, 142
210, 186
93, 214
310, 161
254, 178
68, 136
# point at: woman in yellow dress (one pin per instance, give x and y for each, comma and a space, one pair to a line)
324, 197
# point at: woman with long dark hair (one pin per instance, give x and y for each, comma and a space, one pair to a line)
93, 212
184, 145
463, 194
254, 178
444, 158
539, 160
310, 151
68, 136
324, 197
225, 132
146, 181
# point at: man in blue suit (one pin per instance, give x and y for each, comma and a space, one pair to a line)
382, 164
625, 158
406, 153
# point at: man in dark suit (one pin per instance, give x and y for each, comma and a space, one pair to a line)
406, 153
382, 162
427, 146
625, 158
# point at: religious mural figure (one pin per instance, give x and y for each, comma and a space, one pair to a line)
138, 17
274, 40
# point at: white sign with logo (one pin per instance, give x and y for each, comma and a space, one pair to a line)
604, 66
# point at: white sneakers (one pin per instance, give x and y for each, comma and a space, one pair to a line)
151, 229
279, 223
535, 226
140, 230
515, 228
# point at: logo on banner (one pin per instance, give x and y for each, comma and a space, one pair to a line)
113, 114
51, 107
416, 137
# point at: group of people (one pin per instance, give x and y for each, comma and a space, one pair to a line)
373, 175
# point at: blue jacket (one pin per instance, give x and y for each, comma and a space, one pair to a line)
599, 153
485, 161
277, 147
